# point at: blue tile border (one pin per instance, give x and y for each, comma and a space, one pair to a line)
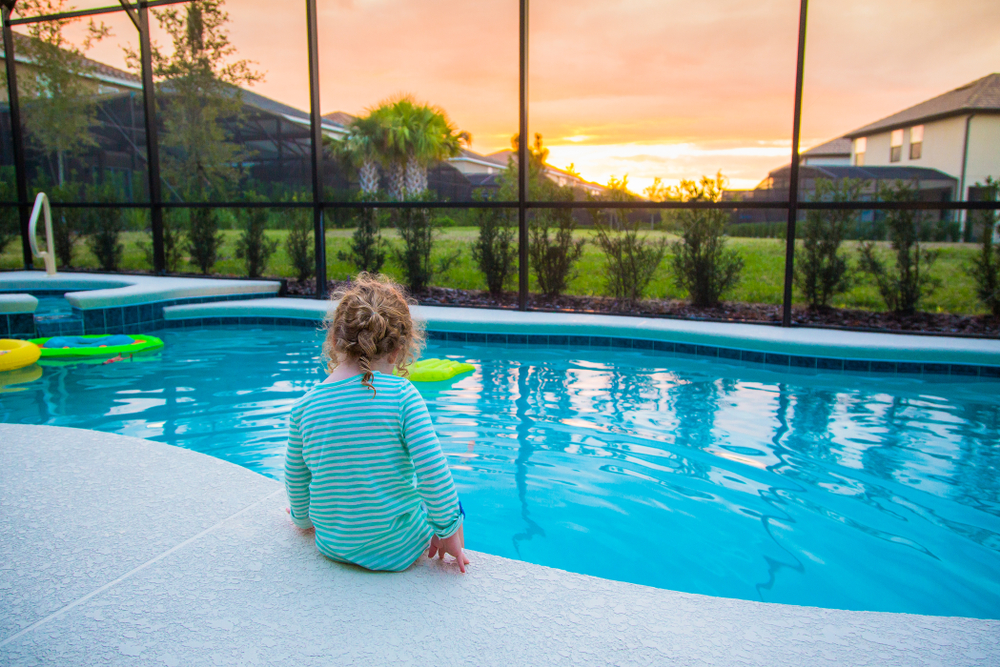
770, 359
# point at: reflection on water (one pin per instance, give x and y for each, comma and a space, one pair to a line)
831, 490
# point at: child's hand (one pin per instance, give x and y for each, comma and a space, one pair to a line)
453, 546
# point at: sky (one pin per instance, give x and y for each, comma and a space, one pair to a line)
647, 88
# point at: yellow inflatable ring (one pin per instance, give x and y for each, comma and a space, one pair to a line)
20, 376
16, 354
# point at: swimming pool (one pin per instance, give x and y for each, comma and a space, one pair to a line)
835, 490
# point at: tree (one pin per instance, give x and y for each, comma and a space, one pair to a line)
198, 86
904, 283
821, 270
362, 150
410, 136
702, 265
59, 90
630, 260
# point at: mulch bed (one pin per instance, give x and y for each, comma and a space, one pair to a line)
857, 320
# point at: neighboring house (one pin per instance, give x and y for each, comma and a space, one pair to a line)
834, 153
943, 146
957, 133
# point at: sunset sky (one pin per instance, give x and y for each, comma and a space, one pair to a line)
644, 87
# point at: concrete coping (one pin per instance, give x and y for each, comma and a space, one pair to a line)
117, 550
93, 290
759, 338
17, 303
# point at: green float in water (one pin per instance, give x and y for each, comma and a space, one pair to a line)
56, 347
437, 370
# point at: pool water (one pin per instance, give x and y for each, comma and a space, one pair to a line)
834, 490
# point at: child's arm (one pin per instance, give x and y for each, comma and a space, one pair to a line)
297, 476
434, 482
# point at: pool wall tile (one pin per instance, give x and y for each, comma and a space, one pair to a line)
706, 351
964, 369
640, 344
936, 369
882, 367
21, 324
989, 371
856, 365
798, 361
752, 357
909, 367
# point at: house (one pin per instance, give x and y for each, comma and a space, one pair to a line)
957, 133
833, 153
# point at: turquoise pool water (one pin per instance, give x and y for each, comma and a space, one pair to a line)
856, 492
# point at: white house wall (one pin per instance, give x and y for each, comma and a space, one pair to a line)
984, 149
943, 145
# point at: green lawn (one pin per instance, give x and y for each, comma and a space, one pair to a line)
762, 282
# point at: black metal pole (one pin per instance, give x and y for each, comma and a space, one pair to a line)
793, 175
152, 142
17, 136
523, 169
316, 126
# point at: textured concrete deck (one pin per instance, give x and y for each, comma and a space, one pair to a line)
97, 290
121, 551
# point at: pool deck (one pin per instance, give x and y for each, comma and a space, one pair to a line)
115, 550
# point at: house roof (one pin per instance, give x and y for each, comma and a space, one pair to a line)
838, 146
888, 173
982, 95
98, 70
341, 118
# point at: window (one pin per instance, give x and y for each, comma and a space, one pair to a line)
916, 141
860, 146
896, 146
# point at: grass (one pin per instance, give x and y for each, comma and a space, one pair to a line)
763, 274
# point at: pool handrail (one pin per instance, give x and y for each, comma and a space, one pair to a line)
42, 204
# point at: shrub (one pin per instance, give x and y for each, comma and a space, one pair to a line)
985, 269
552, 249
495, 249
701, 263
10, 218
368, 248
68, 224
417, 230
253, 246
299, 244
903, 284
173, 241
821, 270
630, 261
203, 238
105, 226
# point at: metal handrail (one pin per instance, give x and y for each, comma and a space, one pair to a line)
42, 204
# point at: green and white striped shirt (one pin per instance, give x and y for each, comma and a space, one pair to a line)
368, 472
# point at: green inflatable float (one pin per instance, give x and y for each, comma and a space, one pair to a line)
77, 347
437, 370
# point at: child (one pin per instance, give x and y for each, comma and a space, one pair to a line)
363, 464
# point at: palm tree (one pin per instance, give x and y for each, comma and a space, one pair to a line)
362, 149
432, 138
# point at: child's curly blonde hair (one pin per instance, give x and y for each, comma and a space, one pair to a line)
371, 322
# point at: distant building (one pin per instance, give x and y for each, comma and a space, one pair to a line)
834, 153
943, 147
957, 133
